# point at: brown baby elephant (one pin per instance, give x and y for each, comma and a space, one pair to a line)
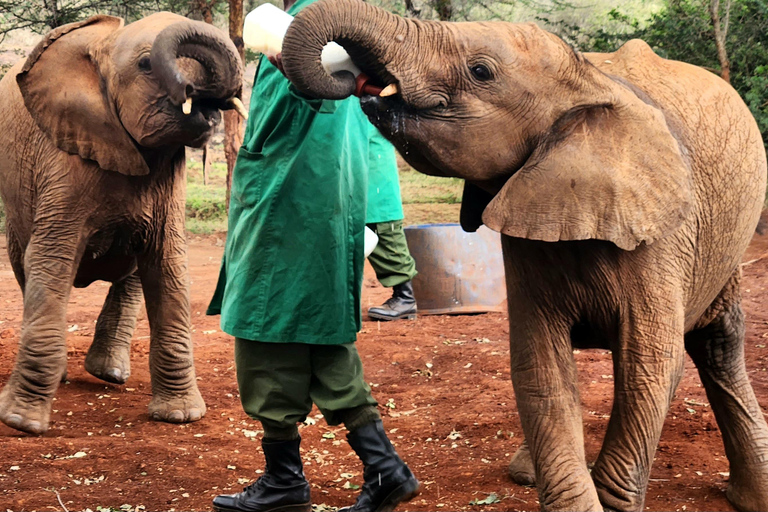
92, 173
626, 188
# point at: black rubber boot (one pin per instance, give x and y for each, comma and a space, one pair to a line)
388, 481
282, 488
402, 304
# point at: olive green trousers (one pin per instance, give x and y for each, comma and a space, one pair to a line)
278, 383
391, 259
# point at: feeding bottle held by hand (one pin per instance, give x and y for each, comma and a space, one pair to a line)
265, 28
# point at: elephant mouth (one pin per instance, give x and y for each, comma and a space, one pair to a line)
395, 118
394, 112
401, 124
202, 119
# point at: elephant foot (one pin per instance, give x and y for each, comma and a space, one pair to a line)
521, 469
749, 492
23, 412
111, 366
183, 408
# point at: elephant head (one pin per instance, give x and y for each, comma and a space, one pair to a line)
550, 146
115, 94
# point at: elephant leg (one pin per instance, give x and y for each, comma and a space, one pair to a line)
109, 357
546, 390
717, 349
164, 278
648, 366
15, 255
521, 469
49, 269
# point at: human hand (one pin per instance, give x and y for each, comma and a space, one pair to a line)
277, 61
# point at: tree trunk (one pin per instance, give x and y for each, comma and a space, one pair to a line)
206, 163
233, 124
721, 32
444, 9
412, 10
204, 9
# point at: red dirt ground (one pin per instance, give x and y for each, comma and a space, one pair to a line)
451, 414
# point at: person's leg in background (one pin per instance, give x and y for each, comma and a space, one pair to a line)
341, 393
395, 268
274, 383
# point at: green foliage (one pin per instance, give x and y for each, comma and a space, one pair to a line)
755, 96
42, 15
2, 217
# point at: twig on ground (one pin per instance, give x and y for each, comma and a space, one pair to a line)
516, 498
58, 497
761, 257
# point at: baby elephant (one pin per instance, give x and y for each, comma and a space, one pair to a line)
626, 188
92, 173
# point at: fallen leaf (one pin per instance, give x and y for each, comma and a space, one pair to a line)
490, 500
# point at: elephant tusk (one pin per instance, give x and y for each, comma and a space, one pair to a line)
239, 107
187, 106
389, 90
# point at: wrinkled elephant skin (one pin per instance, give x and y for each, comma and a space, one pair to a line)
626, 188
92, 175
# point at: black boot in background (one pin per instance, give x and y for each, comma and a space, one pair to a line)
388, 481
402, 304
282, 488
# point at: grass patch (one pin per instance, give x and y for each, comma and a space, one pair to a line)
431, 213
429, 199
206, 207
2, 217
417, 188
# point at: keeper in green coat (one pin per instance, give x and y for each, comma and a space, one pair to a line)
289, 290
391, 259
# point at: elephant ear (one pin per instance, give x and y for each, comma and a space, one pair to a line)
607, 172
67, 96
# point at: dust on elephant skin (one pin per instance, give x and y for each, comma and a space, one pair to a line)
92, 177
626, 188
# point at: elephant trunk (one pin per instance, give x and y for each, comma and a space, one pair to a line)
367, 33
205, 44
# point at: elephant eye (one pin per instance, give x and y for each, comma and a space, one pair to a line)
144, 64
481, 72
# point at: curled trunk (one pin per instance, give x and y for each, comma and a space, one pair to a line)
205, 44
369, 35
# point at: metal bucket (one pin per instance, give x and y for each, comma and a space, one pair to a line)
459, 272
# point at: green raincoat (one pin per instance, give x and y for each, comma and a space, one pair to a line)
293, 262
384, 203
